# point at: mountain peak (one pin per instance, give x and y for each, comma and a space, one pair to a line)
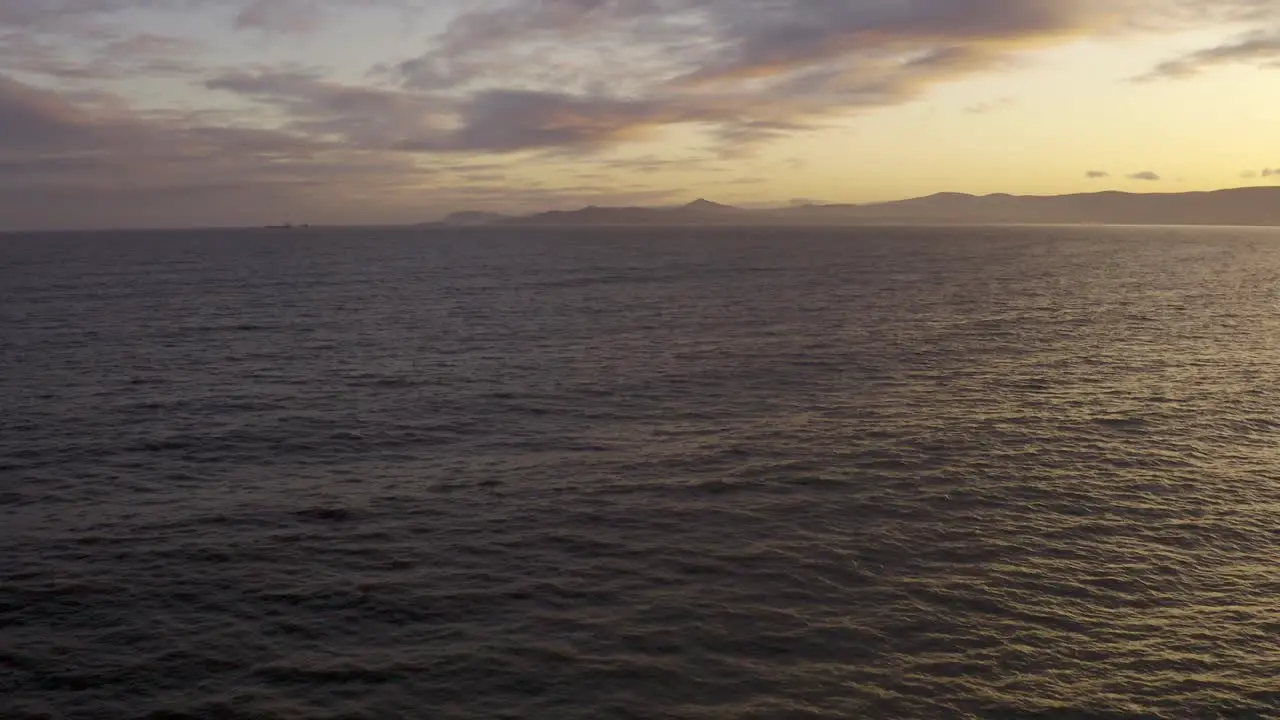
703, 205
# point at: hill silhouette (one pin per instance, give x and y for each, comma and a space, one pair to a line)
706, 206
1239, 206
697, 212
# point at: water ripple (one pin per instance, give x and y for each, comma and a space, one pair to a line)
997, 473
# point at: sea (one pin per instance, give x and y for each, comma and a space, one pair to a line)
683, 473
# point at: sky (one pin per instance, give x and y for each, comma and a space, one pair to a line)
164, 113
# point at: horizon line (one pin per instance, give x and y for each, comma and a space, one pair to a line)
752, 208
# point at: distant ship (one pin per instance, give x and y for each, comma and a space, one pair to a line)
286, 226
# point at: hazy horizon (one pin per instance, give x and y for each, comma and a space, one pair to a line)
169, 113
925, 210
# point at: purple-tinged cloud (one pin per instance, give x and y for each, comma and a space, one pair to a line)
548, 79
519, 120
1146, 176
36, 119
1097, 174
742, 71
62, 164
70, 163
281, 16
361, 116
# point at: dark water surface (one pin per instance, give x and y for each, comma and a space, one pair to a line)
898, 473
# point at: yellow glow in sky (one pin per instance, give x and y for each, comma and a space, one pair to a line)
127, 112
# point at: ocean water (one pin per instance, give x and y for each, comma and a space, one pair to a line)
704, 474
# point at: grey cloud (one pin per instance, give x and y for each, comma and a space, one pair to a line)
86, 17
58, 162
385, 120
740, 136
731, 86
514, 120
518, 120
106, 57
738, 40
491, 121
744, 70
1260, 48
777, 38
532, 76
984, 108
33, 118
91, 19
654, 164
580, 75
62, 164
46, 15
91, 40
151, 51
1097, 174
1145, 175
480, 41
363, 116
24, 52
281, 16
77, 148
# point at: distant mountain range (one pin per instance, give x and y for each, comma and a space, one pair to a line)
1240, 206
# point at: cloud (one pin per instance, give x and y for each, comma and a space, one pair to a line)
281, 16
1097, 174
1258, 48
991, 106
491, 121
44, 127
1145, 175
89, 16
44, 15
57, 155
507, 120
1264, 173
98, 100
65, 162
743, 72
91, 41
509, 76
593, 72
655, 164
102, 56
361, 116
